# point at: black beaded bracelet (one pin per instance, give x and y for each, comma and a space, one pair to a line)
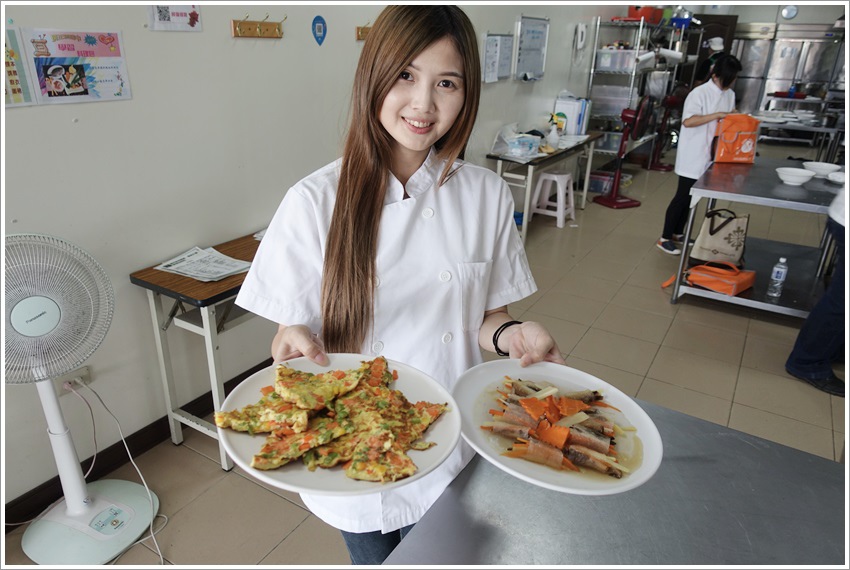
498, 332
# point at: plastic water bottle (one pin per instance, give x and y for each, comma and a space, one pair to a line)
777, 278
792, 90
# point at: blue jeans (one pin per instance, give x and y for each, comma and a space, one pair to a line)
821, 339
372, 548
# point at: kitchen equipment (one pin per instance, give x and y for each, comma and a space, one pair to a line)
794, 176
59, 307
821, 169
635, 124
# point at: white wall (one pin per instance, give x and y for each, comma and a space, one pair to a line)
217, 129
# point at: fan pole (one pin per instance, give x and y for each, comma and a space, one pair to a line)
67, 461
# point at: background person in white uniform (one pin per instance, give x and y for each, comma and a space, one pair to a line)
704, 106
399, 248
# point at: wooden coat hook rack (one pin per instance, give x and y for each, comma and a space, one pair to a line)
246, 28
360, 32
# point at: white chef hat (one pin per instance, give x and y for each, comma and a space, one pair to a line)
716, 44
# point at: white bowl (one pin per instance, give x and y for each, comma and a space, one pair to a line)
837, 177
821, 169
794, 176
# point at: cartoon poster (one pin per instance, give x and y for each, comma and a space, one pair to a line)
17, 88
172, 18
76, 66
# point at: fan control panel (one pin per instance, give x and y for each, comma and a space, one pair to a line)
110, 520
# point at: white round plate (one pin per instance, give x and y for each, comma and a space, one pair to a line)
415, 385
475, 394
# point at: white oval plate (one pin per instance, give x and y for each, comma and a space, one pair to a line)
475, 394
415, 385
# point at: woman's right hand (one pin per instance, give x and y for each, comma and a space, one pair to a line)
298, 340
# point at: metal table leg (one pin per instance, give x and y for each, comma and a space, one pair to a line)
160, 325
211, 345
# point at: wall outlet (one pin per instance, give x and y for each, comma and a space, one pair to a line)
83, 374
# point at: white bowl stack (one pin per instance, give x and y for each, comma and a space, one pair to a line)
821, 169
794, 176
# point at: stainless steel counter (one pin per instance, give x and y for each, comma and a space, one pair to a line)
759, 184
720, 497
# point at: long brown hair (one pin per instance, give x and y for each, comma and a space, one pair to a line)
399, 34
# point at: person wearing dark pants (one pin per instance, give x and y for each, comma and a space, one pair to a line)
704, 106
820, 342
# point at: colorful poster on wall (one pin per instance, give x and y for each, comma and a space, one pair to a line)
17, 88
173, 18
76, 66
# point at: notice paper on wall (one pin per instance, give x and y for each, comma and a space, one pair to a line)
175, 18
18, 87
70, 66
204, 265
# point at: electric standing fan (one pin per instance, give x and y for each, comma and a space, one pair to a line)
59, 304
635, 124
670, 103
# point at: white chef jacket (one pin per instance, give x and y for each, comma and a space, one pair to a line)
445, 255
693, 152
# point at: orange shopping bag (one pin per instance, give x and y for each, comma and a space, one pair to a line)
735, 138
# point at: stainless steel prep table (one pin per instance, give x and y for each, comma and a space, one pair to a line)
825, 137
719, 497
759, 184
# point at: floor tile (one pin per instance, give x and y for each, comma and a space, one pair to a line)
313, 542
140, 555
569, 307
605, 268
689, 402
784, 396
837, 413
566, 333
766, 355
588, 286
706, 341
780, 429
233, 522
840, 446
626, 382
617, 351
717, 315
694, 372
178, 475
657, 301
634, 323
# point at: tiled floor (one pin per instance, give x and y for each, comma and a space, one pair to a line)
599, 293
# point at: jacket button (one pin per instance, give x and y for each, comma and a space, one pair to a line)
445, 276
378, 347
427, 213
447, 338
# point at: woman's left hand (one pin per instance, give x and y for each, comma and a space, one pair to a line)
530, 342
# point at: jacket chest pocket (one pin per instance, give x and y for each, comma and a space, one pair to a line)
474, 284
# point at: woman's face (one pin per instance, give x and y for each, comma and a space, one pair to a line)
425, 101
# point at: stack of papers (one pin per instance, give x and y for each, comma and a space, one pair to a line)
204, 265
569, 141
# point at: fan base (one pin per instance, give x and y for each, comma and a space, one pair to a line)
661, 167
616, 202
120, 513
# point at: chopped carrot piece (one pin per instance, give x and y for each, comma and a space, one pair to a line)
338, 374
535, 408
569, 406
496, 412
554, 435
266, 390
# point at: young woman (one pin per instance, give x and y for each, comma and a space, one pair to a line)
400, 249
704, 106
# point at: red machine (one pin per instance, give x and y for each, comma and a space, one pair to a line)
635, 124
669, 103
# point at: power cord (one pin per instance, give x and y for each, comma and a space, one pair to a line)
154, 515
